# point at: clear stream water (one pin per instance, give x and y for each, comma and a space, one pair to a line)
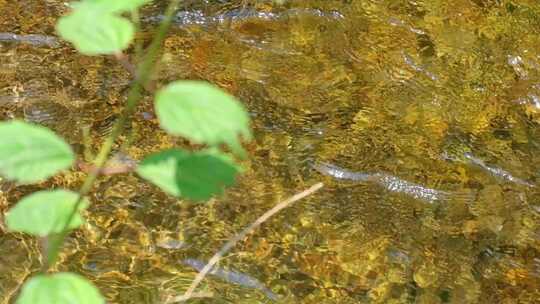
438, 95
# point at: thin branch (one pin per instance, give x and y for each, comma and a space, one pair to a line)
128, 66
136, 20
202, 294
263, 218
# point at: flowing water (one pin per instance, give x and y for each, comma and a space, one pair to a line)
413, 97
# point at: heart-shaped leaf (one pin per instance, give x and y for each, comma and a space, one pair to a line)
94, 31
196, 176
202, 113
59, 288
31, 153
44, 212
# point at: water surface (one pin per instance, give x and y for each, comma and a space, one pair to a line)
444, 95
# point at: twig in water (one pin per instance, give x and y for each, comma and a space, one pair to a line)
202, 294
263, 218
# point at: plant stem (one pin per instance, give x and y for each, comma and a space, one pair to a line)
242, 234
144, 72
136, 20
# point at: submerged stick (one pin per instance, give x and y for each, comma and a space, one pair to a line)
263, 218
33, 39
202, 294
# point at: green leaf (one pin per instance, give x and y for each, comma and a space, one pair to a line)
94, 31
116, 6
31, 153
59, 288
196, 176
202, 113
45, 212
